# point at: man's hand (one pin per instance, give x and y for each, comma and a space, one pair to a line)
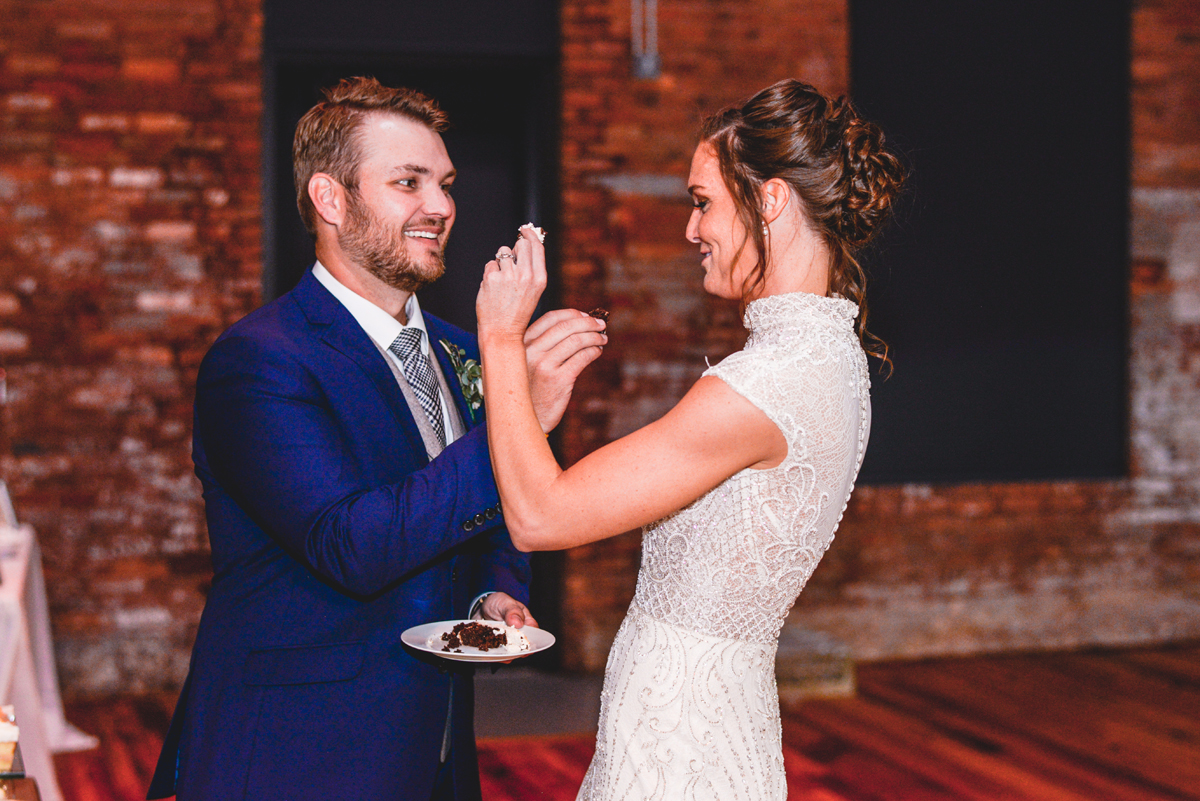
558, 345
502, 606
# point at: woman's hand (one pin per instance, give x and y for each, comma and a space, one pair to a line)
512, 284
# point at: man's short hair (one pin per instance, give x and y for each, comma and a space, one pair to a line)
327, 137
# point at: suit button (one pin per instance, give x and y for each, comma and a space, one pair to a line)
490, 514
467, 526
480, 519
454, 575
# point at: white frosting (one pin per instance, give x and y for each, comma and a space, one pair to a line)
515, 641
541, 234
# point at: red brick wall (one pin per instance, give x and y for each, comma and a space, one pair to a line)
129, 237
914, 569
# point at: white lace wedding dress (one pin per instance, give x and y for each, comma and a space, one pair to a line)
690, 708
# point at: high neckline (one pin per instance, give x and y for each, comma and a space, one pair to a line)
768, 312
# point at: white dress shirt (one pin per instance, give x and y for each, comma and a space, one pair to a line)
382, 327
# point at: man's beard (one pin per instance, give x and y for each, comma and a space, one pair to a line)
382, 248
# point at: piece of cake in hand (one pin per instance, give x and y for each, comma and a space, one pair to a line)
8, 738
538, 232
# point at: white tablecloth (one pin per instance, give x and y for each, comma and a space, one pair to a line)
28, 679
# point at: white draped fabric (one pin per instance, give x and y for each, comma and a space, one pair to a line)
28, 679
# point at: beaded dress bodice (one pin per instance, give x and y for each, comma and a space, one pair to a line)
732, 562
690, 708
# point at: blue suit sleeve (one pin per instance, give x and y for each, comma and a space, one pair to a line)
274, 443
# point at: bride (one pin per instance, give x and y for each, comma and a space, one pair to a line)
739, 487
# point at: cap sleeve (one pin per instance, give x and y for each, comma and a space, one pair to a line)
751, 375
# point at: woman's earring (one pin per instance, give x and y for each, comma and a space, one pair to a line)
765, 229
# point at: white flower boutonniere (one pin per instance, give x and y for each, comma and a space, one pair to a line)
470, 375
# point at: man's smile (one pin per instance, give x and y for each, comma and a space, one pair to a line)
433, 237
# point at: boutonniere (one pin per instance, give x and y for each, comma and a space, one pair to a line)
470, 375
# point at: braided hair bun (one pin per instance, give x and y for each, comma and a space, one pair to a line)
835, 162
871, 179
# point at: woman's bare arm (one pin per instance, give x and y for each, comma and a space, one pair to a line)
713, 433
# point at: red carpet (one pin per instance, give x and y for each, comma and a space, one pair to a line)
525, 768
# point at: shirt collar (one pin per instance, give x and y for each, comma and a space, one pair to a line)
380, 326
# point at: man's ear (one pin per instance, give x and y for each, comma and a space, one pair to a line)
775, 196
328, 198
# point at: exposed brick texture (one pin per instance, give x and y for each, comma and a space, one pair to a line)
914, 570
129, 237
1166, 94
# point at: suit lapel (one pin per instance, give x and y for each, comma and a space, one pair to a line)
338, 329
437, 332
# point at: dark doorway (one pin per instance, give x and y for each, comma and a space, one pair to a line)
1003, 287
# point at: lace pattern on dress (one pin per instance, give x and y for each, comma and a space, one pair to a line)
690, 708
732, 562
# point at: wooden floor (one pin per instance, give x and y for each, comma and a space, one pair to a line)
1111, 726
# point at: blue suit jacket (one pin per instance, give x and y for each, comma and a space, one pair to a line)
331, 534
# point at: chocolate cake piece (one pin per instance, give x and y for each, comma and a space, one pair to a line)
474, 635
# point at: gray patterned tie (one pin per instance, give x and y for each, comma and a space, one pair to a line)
419, 373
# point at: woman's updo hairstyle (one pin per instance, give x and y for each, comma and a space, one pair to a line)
833, 160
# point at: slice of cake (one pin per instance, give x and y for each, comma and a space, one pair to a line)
483, 636
474, 635
8, 738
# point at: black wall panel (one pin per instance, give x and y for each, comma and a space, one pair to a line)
1003, 286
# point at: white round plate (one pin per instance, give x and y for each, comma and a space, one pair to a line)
419, 637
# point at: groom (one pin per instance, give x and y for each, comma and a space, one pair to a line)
348, 490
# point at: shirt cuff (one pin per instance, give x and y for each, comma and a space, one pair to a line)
476, 608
